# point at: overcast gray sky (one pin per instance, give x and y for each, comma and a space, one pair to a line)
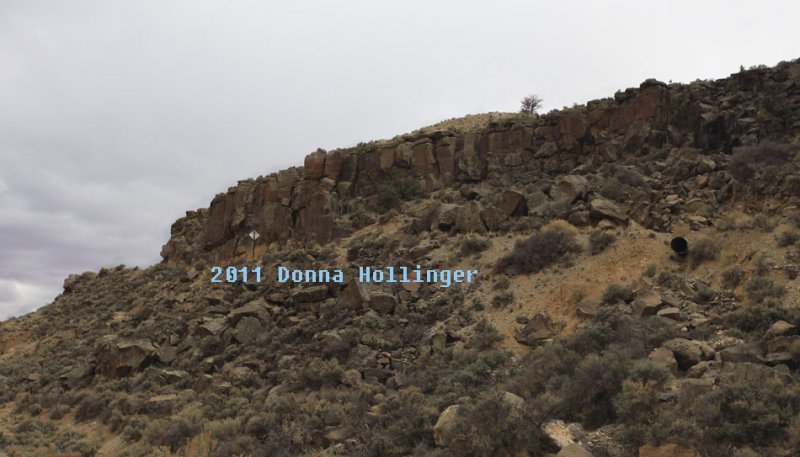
118, 116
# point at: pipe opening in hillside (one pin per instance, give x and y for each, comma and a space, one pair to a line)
679, 245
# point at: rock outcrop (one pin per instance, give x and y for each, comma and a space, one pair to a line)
317, 201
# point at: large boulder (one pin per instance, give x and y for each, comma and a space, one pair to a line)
601, 208
647, 303
248, 329
512, 203
255, 308
742, 353
781, 328
540, 327
468, 219
689, 352
355, 295
447, 425
571, 187
665, 358
120, 357
383, 302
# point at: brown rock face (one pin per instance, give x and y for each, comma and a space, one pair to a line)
118, 358
314, 166
316, 202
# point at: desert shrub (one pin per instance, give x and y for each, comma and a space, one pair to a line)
93, 405
669, 280
753, 162
752, 405
761, 288
203, 445
649, 271
408, 421
134, 429
318, 373
503, 299
703, 293
594, 384
764, 223
485, 335
501, 284
617, 292
493, 426
638, 402
703, 250
788, 238
473, 245
171, 433
613, 189
599, 240
540, 251
732, 277
756, 318
394, 193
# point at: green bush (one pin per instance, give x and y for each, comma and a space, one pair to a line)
599, 240
758, 162
703, 250
756, 318
485, 336
503, 299
473, 245
761, 288
617, 292
394, 193
788, 238
540, 251
732, 277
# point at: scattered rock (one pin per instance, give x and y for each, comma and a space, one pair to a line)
601, 208
647, 304
118, 358
781, 328
248, 330
670, 313
665, 358
587, 307
540, 327
689, 352
310, 294
742, 353
383, 302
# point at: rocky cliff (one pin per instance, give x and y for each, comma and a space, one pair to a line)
319, 202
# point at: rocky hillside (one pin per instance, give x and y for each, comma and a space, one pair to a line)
584, 334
